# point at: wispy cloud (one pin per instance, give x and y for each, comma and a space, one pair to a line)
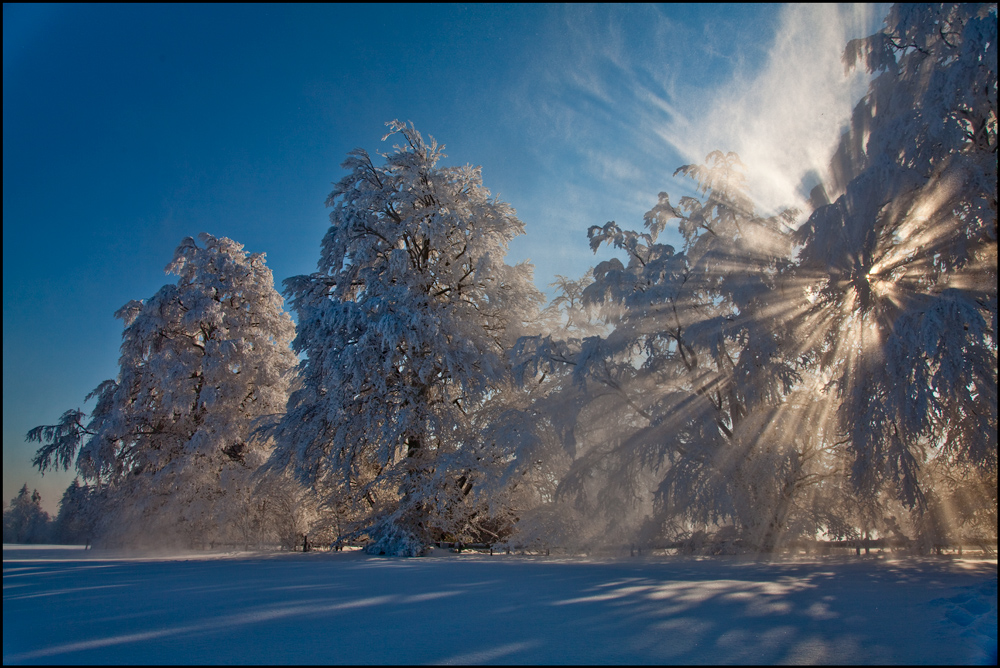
785, 119
635, 93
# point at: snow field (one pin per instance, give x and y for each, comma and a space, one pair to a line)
71, 606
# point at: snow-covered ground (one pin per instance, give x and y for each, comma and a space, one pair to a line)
64, 605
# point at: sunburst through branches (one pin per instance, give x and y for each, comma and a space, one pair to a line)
776, 380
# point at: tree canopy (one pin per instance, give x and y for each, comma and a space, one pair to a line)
404, 328
171, 435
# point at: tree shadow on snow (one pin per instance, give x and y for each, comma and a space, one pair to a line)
350, 608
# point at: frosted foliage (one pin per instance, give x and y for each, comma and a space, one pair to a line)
769, 382
762, 379
405, 327
169, 440
663, 417
901, 268
77, 515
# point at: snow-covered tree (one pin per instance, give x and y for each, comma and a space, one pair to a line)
760, 377
681, 397
24, 520
272, 509
169, 441
901, 269
78, 514
405, 327
518, 424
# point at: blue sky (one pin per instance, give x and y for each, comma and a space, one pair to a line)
128, 128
